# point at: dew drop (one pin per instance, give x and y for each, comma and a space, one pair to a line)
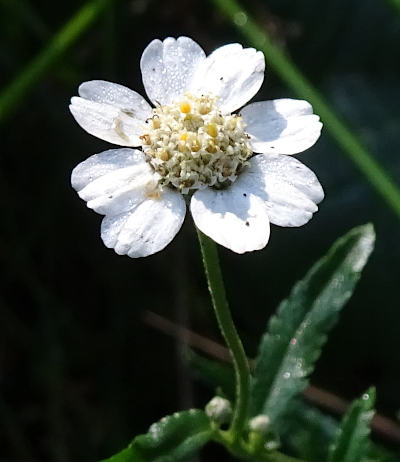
286, 375
240, 18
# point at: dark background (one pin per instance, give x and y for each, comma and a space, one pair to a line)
80, 372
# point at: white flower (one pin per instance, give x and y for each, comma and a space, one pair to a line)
194, 148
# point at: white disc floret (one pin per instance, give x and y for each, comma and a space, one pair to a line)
192, 145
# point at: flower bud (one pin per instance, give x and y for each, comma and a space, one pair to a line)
220, 410
260, 424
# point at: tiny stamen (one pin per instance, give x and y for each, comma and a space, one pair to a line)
191, 145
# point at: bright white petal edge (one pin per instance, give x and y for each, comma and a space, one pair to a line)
282, 126
232, 219
119, 183
233, 73
146, 229
168, 67
111, 112
289, 189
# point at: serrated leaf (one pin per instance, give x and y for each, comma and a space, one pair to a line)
304, 429
292, 344
172, 439
351, 441
308, 432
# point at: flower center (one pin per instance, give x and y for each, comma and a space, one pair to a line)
192, 145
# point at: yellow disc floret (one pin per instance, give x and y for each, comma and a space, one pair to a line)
212, 130
185, 107
192, 145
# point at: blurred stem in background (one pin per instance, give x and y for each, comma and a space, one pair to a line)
343, 136
395, 4
12, 96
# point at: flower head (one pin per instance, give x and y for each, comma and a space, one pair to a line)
195, 150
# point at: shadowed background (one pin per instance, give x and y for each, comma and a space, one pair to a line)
80, 372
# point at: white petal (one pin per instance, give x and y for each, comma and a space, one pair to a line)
147, 228
235, 220
168, 66
114, 181
282, 126
290, 189
109, 123
116, 95
232, 73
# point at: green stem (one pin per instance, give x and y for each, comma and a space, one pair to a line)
380, 180
12, 96
225, 322
242, 451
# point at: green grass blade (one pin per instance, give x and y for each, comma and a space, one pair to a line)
351, 441
13, 94
286, 69
292, 344
395, 4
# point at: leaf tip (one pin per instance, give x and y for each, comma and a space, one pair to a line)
366, 242
370, 396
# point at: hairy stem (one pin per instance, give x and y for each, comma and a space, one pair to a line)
225, 322
242, 451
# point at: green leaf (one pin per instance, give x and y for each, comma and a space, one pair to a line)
290, 348
307, 431
351, 441
171, 439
